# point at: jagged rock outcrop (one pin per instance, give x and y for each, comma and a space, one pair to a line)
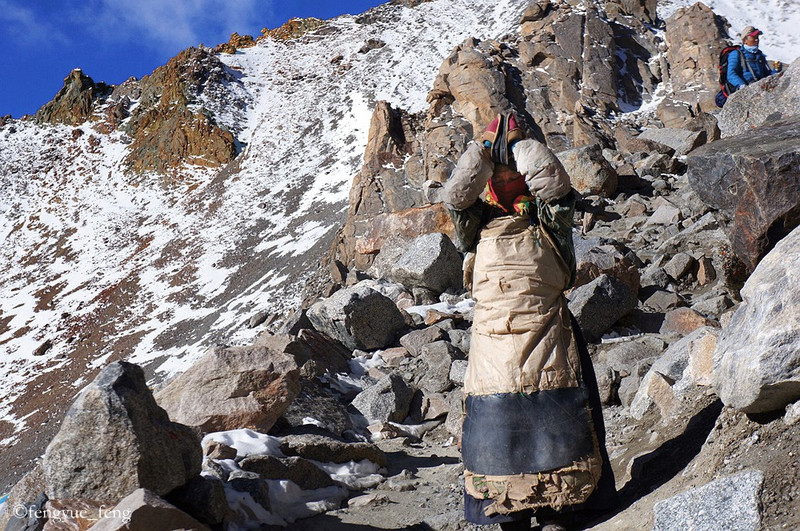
167, 132
754, 181
757, 360
388, 185
763, 103
167, 128
695, 36
644, 10
258, 385
292, 29
115, 439
75, 102
236, 42
472, 80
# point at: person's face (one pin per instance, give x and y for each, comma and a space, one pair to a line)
751, 40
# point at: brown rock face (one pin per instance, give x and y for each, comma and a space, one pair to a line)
293, 28
472, 80
683, 321
408, 223
166, 133
241, 387
236, 42
753, 180
695, 36
75, 101
389, 181
641, 9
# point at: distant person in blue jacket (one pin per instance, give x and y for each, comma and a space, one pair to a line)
748, 64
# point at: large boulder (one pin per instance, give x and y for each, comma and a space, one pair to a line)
430, 261
601, 303
668, 377
142, 509
589, 172
438, 358
241, 386
681, 140
115, 439
316, 404
388, 400
763, 103
359, 317
757, 360
754, 182
730, 503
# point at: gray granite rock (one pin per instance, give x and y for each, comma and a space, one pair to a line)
763, 102
589, 171
601, 303
387, 400
458, 372
115, 439
430, 261
757, 360
416, 339
359, 317
681, 140
731, 503
680, 265
438, 358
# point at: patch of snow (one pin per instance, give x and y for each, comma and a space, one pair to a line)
462, 307
247, 442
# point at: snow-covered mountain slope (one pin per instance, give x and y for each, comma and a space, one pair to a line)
778, 19
97, 264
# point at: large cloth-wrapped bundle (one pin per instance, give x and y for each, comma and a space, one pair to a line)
528, 439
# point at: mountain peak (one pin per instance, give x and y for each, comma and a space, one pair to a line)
73, 103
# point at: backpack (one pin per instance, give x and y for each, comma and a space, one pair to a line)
727, 88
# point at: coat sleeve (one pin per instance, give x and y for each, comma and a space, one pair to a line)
469, 178
735, 70
544, 174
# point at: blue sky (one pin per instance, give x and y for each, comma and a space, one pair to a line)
41, 41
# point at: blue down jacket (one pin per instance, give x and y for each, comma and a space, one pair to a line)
755, 67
